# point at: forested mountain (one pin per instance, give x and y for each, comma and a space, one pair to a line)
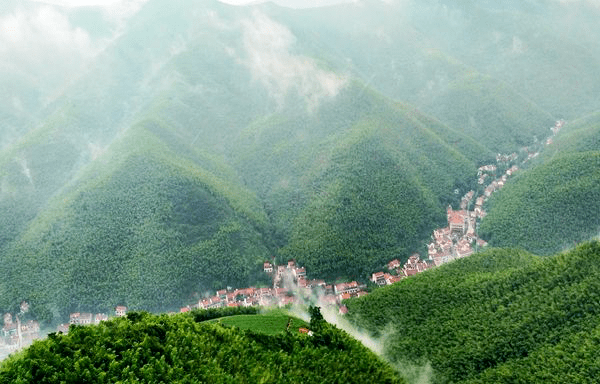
181, 146
147, 224
554, 204
349, 194
495, 317
525, 214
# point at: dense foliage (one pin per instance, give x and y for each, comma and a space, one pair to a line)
147, 229
176, 349
548, 208
491, 113
497, 316
349, 194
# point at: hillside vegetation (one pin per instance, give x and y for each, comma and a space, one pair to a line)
145, 227
348, 194
498, 316
553, 204
179, 349
207, 138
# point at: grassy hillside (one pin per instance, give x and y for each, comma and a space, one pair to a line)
270, 323
494, 317
176, 349
144, 226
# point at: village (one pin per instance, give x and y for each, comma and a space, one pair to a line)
457, 240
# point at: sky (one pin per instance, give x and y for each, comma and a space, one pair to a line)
291, 3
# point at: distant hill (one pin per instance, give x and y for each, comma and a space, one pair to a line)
181, 348
580, 135
491, 113
495, 317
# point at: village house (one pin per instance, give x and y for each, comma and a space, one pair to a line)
342, 288
9, 329
268, 267
315, 283
378, 278
390, 279
299, 272
99, 317
457, 220
80, 318
120, 311
414, 265
394, 264
63, 328
24, 307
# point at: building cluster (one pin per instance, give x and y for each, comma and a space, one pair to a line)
502, 158
397, 271
84, 318
289, 281
456, 240
460, 236
290, 285
15, 333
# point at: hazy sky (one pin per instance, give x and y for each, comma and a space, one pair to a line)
291, 3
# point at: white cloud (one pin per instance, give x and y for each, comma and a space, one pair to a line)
41, 44
79, 3
42, 27
267, 45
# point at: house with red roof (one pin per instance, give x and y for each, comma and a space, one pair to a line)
120, 311
394, 264
342, 288
98, 317
268, 267
378, 278
299, 272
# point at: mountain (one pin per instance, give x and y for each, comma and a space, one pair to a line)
580, 135
199, 139
497, 316
146, 225
490, 112
349, 193
182, 348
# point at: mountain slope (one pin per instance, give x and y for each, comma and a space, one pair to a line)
487, 318
143, 226
359, 189
490, 112
552, 205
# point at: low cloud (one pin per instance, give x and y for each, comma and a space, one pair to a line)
267, 47
40, 34
40, 47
